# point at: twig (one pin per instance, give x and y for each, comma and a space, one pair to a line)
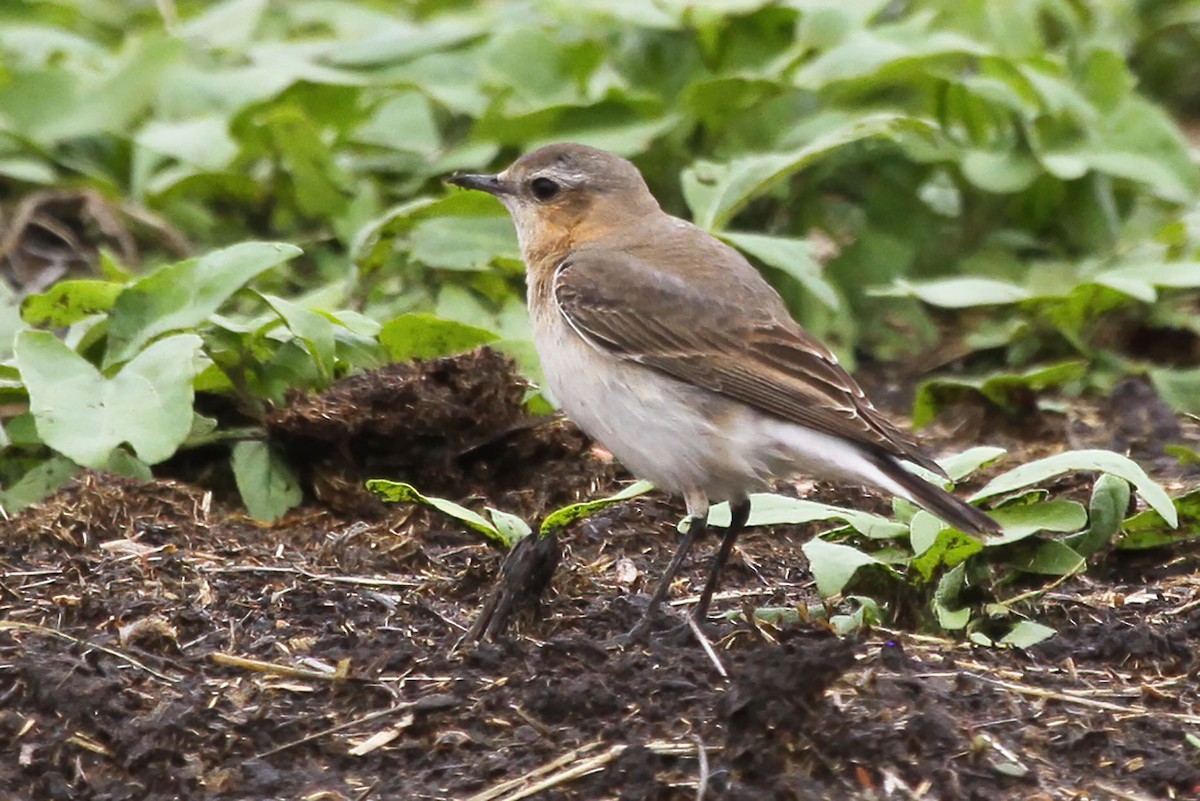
702, 779
582, 766
1117, 792
497, 790
259, 666
366, 581
308, 738
1054, 695
17, 624
707, 646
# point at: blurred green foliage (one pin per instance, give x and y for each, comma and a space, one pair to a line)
1016, 170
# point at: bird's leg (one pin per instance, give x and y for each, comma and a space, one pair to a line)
739, 510
697, 522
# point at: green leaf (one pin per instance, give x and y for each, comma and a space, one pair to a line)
1091, 460
1106, 511
318, 184
949, 548
769, 509
37, 483
1020, 522
68, 302
716, 192
833, 564
425, 336
999, 388
265, 481
463, 243
202, 142
957, 293
792, 256
399, 492
511, 527
1026, 634
84, 415
314, 329
565, 516
964, 464
183, 295
1004, 171
945, 600
1053, 558
1179, 388
1148, 529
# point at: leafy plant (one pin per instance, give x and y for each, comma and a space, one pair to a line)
899, 171
937, 564
119, 391
503, 529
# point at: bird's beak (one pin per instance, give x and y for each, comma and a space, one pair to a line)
484, 183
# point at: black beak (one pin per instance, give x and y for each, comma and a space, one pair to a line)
484, 183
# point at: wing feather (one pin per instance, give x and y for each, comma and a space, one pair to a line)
755, 355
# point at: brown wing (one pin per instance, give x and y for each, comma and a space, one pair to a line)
730, 345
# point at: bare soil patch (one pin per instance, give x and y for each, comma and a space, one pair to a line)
154, 643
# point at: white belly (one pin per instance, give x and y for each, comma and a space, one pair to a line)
680, 437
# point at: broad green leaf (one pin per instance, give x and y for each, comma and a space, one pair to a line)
53, 105
84, 415
923, 531
320, 187
511, 527
1106, 511
1026, 634
792, 256
565, 516
1005, 172
1148, 529
37, 483
999, 388
68, 302
123, 463
228, 24
833, 564
964, 464
425, 336
948, 549
958, 293
1053, 558
769, 509
183, 295
399, 492
716, 192
202, 142
314, 329
1020, 522
463, 243
404, 121
1092, 460
265, 481
10, 323
1179, 388
1142, 280
951, 616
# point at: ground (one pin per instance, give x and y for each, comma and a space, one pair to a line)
157, 644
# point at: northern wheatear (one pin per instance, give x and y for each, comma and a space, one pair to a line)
665, 345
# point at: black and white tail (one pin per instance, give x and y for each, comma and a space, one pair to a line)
935, 500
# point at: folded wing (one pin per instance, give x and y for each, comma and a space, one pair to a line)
730, 345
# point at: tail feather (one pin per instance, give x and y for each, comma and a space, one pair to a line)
937, 501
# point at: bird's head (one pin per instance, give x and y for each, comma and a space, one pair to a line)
565, 195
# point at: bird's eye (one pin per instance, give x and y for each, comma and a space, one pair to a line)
543, 188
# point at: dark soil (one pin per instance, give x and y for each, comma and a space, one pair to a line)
154, 643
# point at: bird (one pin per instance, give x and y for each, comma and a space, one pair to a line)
666, 346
